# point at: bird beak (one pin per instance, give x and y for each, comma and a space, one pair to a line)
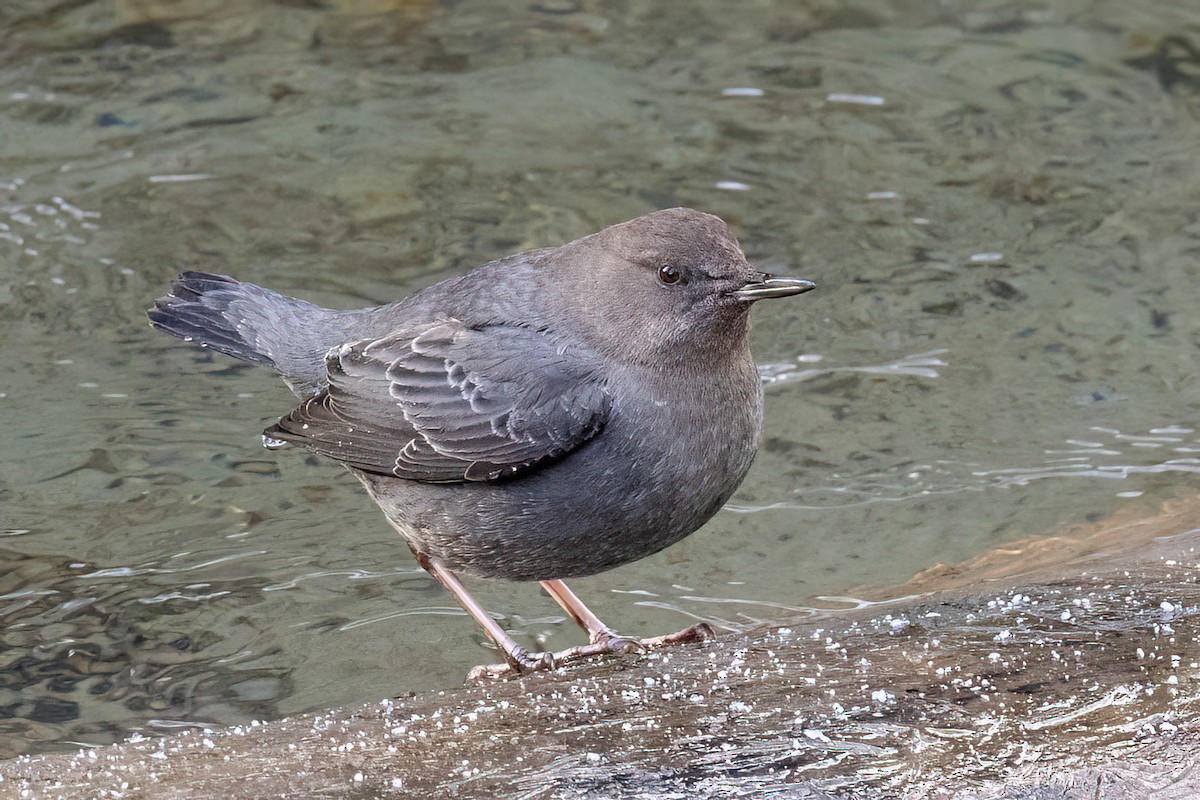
765, 287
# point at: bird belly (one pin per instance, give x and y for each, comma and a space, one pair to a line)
623, 496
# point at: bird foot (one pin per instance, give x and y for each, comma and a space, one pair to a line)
700, 632
605, 643
519, 662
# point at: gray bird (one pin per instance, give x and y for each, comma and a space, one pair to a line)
548, 415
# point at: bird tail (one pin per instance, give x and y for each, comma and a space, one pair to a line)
252, 324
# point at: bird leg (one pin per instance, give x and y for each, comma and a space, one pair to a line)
603, 639
598, 633
519, 659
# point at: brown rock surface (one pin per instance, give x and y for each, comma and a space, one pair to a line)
1069, 673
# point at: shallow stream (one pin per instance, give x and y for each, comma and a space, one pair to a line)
999, 201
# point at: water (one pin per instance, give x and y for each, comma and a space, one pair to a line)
998, 202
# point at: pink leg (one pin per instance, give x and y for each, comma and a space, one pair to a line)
603, 639
519, 659
583, 616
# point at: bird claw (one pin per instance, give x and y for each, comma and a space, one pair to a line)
700, 632
615, 643
521, 661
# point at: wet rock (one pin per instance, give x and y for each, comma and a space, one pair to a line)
1078, 676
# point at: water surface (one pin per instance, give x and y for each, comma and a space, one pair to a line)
998, 201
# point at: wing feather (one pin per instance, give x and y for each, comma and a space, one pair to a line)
446, 402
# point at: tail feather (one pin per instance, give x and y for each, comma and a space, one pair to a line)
254, 325
201, 309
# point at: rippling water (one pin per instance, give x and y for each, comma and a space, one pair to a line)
998, 201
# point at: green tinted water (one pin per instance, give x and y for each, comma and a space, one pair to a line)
999, 202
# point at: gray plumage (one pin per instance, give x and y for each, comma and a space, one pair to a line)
548, 415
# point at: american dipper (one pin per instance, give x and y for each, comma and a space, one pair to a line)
548, 415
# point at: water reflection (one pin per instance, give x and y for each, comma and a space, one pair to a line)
85, 658
1115, 457
996, 201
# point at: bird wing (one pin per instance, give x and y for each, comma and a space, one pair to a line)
446, 402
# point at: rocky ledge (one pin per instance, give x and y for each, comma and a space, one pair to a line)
1074, 675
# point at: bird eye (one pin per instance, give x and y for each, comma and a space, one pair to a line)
669, 275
